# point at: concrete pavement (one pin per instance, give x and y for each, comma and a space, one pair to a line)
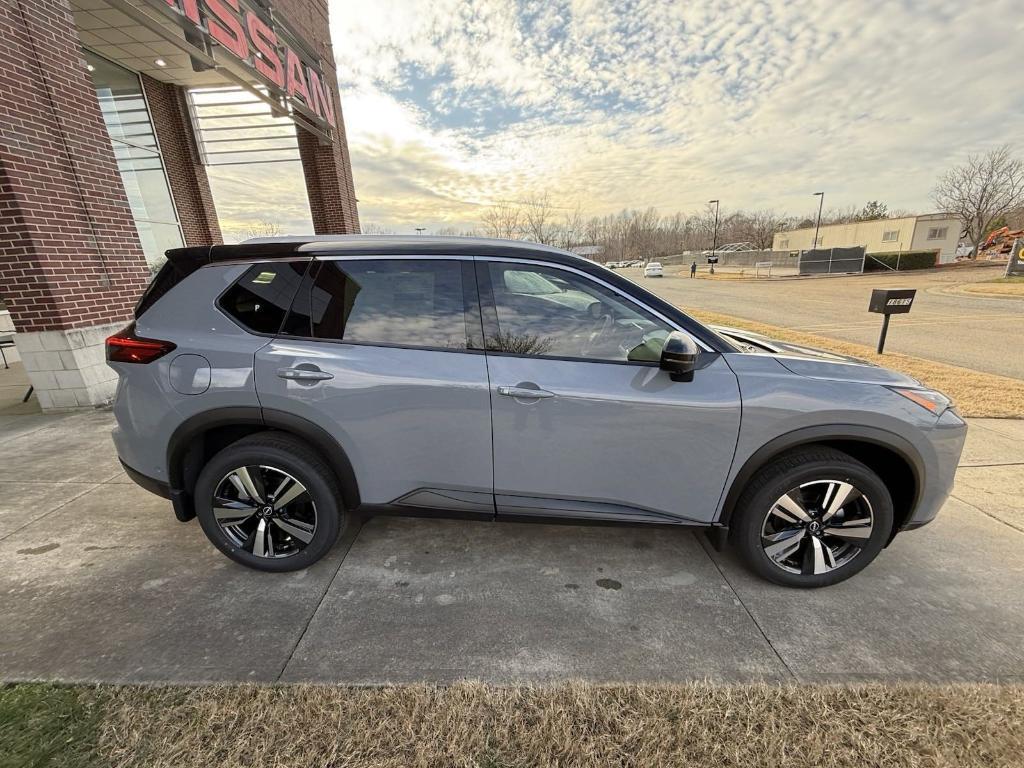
99, 582
969, 331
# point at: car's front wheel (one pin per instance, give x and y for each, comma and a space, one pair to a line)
269, 502
812, 518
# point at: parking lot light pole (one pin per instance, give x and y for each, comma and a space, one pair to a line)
714, 237
821, 202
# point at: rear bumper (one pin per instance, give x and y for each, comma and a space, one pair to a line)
179, 499
151, 484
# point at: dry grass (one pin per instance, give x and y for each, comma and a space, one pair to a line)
565, 725
975, 393
1003, 286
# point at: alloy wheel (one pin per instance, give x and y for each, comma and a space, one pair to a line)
817, 527
265, 511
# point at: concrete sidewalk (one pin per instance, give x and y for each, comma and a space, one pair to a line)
99, 582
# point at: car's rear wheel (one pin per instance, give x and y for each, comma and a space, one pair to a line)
812, 518
269, 502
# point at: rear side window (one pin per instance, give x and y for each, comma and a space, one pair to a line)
399, 302
259, 299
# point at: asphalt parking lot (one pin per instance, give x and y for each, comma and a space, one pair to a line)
944, 325
100, 583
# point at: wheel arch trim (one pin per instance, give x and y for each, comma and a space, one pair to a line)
824, 433
318, 438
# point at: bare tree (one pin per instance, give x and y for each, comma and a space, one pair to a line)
982, 189
571, 229
503, 220
845, 215
539, 219
759, 227
262, 228
376, 229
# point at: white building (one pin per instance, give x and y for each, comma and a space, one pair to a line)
931, 232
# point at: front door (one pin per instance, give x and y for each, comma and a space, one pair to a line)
585, 423
380, 353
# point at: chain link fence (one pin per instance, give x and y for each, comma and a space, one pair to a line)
828, 261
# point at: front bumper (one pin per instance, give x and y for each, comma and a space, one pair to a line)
947, 439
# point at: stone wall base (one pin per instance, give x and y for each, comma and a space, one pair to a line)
68, 369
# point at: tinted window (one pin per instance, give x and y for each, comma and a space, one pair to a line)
403, 302
551, 312
260, 298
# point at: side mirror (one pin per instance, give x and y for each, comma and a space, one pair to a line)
679, 356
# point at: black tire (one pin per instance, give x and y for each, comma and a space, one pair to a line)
804, 471
291, 456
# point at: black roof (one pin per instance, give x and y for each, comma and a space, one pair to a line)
373, 245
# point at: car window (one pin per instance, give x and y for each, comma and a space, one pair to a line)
259, 299
380, 301
573, 317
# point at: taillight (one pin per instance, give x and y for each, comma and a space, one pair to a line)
125, 347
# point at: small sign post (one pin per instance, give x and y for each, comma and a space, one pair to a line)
887, 302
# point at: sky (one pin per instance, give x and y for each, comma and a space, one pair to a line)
453, 106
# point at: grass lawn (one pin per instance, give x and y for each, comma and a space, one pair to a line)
570, 724
47, 725
975, 393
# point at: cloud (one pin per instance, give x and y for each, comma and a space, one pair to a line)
247, 195
451, 106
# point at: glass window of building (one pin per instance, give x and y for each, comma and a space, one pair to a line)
126, 115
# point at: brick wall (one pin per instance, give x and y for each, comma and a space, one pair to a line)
190, 186
69, 253
329, 186
328, 170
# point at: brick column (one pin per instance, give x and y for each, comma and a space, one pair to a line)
71, 265
328, 172
190, 186
328, 169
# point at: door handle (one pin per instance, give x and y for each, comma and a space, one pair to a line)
304, 374
525, 392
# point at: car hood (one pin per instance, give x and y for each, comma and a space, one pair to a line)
867, 373
815, 363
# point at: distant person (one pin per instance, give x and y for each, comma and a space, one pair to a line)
693, 268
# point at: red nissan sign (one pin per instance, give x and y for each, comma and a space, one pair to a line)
240, 31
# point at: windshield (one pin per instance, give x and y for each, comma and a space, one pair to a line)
529, 283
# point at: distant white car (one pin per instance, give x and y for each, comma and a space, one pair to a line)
654, 270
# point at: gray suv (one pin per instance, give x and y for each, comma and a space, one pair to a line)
278, 387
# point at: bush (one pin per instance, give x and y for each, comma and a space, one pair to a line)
907, 260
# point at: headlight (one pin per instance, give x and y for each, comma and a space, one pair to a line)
929, 399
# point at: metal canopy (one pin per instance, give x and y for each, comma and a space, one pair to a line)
136, 36
233, 127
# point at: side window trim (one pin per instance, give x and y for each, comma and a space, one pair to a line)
475, 336
489, 308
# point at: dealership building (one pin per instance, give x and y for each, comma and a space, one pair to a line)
112, 115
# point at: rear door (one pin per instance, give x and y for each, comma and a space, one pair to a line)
585, 423
386, 355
